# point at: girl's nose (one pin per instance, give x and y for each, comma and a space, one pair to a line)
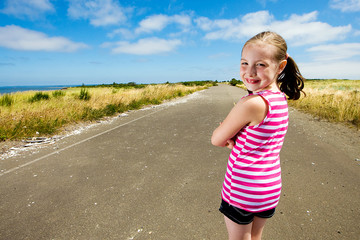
251, 71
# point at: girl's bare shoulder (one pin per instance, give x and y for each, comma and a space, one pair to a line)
253, 103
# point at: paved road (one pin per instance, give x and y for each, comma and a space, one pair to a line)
155, 175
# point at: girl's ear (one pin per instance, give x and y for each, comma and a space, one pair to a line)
282, 66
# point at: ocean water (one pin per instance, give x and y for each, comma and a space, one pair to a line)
12, 89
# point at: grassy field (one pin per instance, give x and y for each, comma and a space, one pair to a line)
29, 114
330, 99
333, 100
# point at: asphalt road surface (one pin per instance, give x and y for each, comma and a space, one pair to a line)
154, 175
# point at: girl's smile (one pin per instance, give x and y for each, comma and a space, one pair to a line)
251, 81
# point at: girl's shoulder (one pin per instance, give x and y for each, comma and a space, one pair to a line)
254, 103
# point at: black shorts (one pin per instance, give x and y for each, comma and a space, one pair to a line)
240, 216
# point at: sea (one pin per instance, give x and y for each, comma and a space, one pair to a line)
12, 89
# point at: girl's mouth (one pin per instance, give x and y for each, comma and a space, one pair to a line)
252, 81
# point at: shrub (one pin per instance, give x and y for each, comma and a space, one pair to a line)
198, 83
84, 94
2, 138
233, 82
6, 100
91, 114
39, 96
58, 93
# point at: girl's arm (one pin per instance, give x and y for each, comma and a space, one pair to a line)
250, 111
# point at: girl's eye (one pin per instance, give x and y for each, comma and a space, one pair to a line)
260, 65
244, 63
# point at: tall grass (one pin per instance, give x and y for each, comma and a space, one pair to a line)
48, 115
333, 100
6, 100
39, 96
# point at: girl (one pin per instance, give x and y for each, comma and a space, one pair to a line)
255, 129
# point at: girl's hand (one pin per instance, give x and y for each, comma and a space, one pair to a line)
230, 144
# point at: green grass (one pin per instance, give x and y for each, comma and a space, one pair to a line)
39, 96
84, 94
6, 100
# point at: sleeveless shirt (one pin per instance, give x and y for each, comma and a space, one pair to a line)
253, 177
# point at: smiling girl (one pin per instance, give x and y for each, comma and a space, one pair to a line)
254, 130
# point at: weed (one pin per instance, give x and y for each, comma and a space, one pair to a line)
6, 100
39, 96
58, 93
91, 114
84, 94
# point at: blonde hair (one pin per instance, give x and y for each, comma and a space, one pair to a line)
290, 80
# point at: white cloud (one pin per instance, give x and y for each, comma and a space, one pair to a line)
330, 70
346, 5
19, 38
298, 29
159, 22
99, 12
303, 30
125, 33
25, 8
204, 23
332, 52
146, 46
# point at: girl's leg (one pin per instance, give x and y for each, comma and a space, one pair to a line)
238, 231
257, 228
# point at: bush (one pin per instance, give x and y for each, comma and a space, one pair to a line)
6, 100
233, 82
39, 96
2, 138
58, 93
84, 94
197, 83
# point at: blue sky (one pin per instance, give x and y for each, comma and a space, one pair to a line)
50, 42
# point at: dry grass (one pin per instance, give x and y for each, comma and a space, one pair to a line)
23, 118
333, 100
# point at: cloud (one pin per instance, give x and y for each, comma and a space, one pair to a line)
346, 5
19, 38
158, 22
332, 52
299, 29
204, 23
146, 46
28, 9
330, 70
125, 33
99, 12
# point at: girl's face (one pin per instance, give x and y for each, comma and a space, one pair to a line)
259, 70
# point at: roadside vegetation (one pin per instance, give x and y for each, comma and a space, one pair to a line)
329, 99
333, 100
29, 114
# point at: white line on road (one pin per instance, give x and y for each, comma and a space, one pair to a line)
72, 145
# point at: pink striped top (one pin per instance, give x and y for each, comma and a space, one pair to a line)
253, 177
